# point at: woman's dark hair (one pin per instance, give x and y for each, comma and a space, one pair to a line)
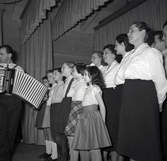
149, 37
159, 34
123, 38
80, 67
111, 48
96, 76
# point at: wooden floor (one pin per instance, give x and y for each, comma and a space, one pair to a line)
27, 152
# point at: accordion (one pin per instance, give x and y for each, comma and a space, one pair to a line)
26, 87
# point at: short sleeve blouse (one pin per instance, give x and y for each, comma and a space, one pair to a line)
90, 95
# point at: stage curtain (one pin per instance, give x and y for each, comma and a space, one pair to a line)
153, 12
71, 12
35, 12
35, 58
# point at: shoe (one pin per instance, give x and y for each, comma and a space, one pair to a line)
45, 156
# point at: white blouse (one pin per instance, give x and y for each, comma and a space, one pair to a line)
71, 91
146, 63
58, 91
79, 90
119, 79
50, 94
102, 68
90, 95
110, 73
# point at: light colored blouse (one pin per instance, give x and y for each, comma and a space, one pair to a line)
110, 73
79, 90
146, 63
102, 69
119, 79
48, 103
58, 92
90, 95
71, 91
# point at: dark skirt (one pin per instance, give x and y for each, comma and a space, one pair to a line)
91, 132
75, 113
53, 120
163, 116
61, 114
40, 116
139, 125
112, 101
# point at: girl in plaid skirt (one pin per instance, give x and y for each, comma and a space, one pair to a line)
76, 107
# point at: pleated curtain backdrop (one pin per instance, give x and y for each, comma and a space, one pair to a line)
153, 12
36, 59
71, 12
34, 13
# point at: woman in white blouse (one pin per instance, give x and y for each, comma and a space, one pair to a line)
143, 93
112, 112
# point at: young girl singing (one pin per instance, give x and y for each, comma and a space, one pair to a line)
91, 133
62, 112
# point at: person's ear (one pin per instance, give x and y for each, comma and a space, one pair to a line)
143, 32
10, 55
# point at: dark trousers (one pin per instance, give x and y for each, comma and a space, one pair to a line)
62, 146
10, 108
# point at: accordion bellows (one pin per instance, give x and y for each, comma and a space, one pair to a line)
22, 85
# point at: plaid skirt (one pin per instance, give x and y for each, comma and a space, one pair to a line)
75, 113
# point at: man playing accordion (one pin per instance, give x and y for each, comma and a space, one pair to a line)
10, 108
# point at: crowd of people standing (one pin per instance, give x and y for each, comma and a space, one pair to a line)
115, 106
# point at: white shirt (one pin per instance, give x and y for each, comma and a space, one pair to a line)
79, 90
11, 66
146, 63
71, 91
48, 103
102, 68
58, 92
90, 95
110, 73
119, 79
